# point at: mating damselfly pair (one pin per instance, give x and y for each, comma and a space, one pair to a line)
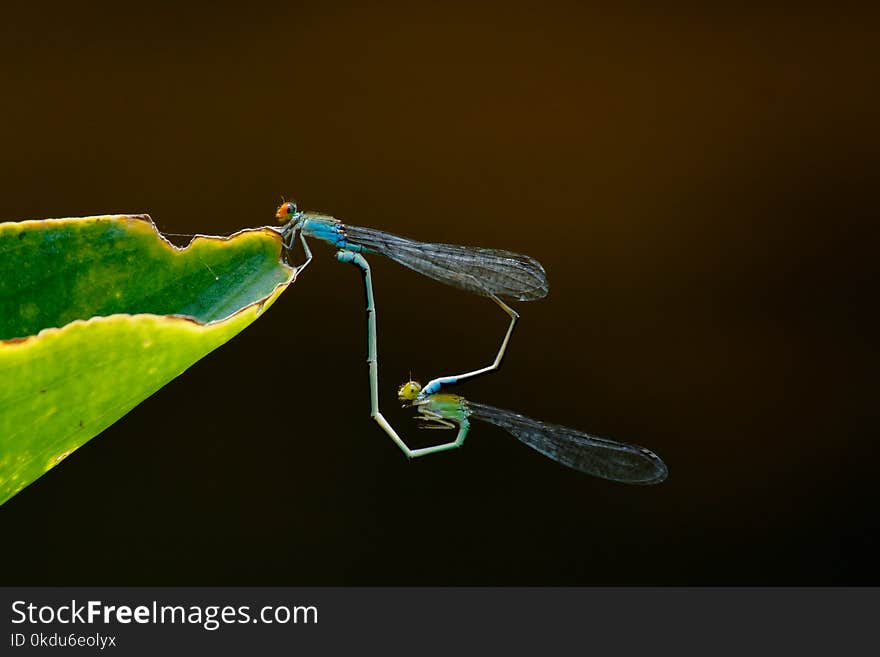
486, 272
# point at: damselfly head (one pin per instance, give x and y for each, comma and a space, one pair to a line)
286, 211
409, 391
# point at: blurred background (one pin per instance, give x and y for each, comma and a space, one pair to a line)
700, 184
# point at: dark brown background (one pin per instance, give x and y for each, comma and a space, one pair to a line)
699, 184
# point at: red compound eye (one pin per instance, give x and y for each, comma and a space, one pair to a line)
285, 211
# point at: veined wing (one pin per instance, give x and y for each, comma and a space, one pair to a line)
473, 269
595, 456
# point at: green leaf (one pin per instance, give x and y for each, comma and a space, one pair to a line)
98, 313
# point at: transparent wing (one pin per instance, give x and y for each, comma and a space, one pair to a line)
599, 457
473, 269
